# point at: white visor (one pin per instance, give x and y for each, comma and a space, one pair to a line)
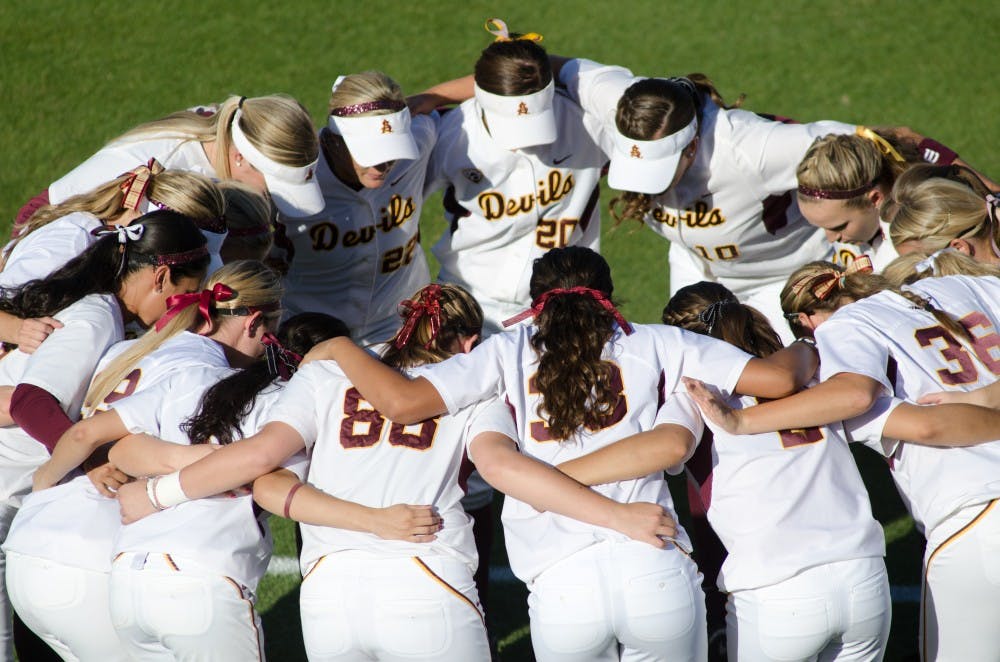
519, 121
295, 191
648, 166
375, 139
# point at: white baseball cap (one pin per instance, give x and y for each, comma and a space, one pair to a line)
294, 189
648, 166
519, 121
374, 139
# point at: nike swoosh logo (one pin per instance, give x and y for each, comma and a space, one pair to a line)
558, 161
398, 179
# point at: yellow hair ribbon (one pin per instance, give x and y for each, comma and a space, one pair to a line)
498, 28
880, 142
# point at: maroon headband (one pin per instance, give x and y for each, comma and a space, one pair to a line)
835, 195
538, 305
170, 259
367, 107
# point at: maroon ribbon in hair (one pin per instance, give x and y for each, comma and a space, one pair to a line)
281, 361
413, 311
538, 305
204, 299
135, 186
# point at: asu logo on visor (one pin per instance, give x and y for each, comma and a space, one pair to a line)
635, 153
522, 108
386, 127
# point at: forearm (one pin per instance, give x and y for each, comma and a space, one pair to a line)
308, 504
10, 326
77, 444
633, 457
6, 392
943, 425
452, 91
841, 397
780, 374
146, 455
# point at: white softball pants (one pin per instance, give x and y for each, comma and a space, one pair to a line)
392, 609
165, 608
960, 605
835, 611
615, 601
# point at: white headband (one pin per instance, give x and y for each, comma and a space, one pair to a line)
656, 149
292, 174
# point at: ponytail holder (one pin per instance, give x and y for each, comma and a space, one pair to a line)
929, 263
134, 188
178, 302
538, 305
883, 145
498, 29
281, 362
822, 284
993, 217
413, 311
125, 233
710, 316
239, 104
336, 83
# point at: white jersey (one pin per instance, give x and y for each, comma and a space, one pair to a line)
117, 158
735, 208
48, 248
650, 363
361, 256
359, 456
63, 366
505, 208
766, 494
880, 250
905, 349
225, 534
73, 523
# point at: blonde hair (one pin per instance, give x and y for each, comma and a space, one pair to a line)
460, 316
187, 193
277, 125
365, 87
948, 262
933, 212
254, 285
846, 163
249, 217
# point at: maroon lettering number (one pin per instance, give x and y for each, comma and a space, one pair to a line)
985, 344
540, 430
362, 427
125, 388
420, 440
939, 338
802, 437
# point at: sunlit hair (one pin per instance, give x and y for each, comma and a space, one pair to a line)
225, 405
254, 286
513, 68
912, 267
932, 212
576, 383
798, 295
655, 107
277, 125
187, 193
712, 310
249, 217
848, 162
460, 317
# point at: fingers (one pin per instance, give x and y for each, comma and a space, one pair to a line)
104, 490
931, 399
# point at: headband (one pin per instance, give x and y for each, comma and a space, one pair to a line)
251, 231
835, 195
710, 316
170, 259
538, 305
267, 165
825, 282
498, 29
281, 362
134, 187
412, 312
178, 302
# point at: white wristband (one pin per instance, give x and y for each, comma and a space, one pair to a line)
168, 492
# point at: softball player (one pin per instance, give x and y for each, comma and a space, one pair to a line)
127, 274
718, 185
521, 170
929, 349
361, 255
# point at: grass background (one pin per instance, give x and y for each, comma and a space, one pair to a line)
76, 74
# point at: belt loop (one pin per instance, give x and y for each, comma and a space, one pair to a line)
138, 561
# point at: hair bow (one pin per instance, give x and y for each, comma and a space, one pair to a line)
538, 305
134, 188
825, 282
929, 263
125, 233
992, 215
281, 361
710, 316
883, 145
429, 305
178, 302
498, 29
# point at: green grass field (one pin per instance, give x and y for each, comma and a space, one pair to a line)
76, 74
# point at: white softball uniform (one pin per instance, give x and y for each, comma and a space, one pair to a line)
67, 531
360, 593
505, 208
735, 208
63, 366
48, 248
796, 590
587, 595
361, 256
950, 492
880, 250
183, 579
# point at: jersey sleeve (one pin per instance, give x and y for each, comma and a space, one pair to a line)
296, 406
597, 89
868, 428
298, 464
777, 151
680, 409
847, 347
491, 416
141, 412
105, 165
704, 358
465, 379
